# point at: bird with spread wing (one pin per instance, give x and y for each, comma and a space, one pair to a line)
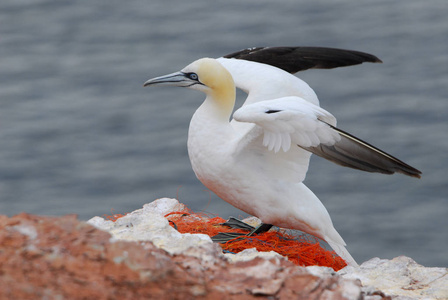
257, 161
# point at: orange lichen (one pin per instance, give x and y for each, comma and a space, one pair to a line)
114, 217
302, 250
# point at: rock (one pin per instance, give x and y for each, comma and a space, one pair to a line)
252, 253
142, 257
148, 224
401, 278
63, 258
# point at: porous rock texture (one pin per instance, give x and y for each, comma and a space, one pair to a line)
64, 258
402, 278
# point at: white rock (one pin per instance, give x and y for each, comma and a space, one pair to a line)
252, 221
401, 278
164, 206
101, 223
250, 254
148, 224
320, 271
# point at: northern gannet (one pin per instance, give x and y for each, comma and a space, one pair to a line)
253, 163
240, 167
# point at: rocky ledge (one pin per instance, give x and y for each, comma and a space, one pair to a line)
140, 256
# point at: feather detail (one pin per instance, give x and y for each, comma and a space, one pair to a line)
289, 120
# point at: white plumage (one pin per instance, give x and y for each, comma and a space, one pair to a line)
235, 162
258, 160
290, 120
264, 82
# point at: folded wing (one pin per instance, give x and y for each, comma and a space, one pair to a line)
292, 120
354, 153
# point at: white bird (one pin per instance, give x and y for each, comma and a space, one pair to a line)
237, 164
253, 163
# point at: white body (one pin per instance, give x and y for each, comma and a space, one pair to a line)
254, 163
259, 182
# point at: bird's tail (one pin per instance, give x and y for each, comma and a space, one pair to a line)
342, 252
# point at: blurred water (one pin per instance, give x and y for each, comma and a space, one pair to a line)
80, 135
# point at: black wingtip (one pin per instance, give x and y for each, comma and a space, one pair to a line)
419, 176
295, 59
415, 173
354, 153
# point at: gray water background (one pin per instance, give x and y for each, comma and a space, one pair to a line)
79, 134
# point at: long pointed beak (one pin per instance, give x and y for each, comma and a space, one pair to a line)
173, 79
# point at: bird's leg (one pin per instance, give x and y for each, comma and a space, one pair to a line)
235, 223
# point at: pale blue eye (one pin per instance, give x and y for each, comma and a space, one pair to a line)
192, 76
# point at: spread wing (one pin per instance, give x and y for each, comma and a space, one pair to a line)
295, 59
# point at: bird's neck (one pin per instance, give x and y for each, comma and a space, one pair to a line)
219, 104
210, 130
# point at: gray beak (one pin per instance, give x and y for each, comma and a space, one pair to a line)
173, 79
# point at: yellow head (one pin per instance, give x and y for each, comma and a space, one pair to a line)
206, 75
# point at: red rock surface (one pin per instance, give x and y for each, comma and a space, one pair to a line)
63, 258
